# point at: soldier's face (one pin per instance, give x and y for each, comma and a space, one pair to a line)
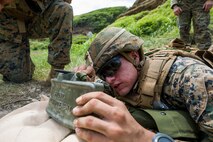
4, 2
123, 80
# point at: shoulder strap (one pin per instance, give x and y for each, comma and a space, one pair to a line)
153, 76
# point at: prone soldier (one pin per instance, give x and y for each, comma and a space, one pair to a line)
164, 87
161, 96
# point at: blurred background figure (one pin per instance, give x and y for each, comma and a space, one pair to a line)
21, 20
199, 13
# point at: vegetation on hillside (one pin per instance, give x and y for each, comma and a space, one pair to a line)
98, 19
157, 27
157, 22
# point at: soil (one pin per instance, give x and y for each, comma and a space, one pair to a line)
13, 96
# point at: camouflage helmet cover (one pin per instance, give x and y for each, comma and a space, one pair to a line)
110, 42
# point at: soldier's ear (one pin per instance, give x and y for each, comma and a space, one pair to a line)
134, 54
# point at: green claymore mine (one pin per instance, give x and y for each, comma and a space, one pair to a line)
64, 91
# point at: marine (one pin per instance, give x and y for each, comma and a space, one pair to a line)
196, 13
22, 20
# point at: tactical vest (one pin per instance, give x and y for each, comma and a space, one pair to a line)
155, 71
153, 75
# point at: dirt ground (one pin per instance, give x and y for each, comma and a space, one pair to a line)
13, 96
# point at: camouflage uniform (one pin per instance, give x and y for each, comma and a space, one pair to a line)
22, 20
188, 85
193, 10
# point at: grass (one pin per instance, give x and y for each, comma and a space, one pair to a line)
39, 55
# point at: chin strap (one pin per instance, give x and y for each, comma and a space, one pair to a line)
138, 66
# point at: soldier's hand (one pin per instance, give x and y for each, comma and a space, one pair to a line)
207, 5
4, 2
88, 70
110, 120
177, 10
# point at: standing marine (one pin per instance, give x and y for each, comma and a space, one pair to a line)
196, 12
21, 20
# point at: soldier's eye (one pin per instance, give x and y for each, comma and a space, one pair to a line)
110, 68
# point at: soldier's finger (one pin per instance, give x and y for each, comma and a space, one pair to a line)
79, 68
89, 70
93, 124
94, 106
82, 67
75, 69
90, 136
100, 96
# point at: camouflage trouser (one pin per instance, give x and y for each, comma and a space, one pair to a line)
54, 22
190, 85
15, 61
193, 11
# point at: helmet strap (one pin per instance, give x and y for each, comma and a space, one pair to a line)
138, 66
130, 59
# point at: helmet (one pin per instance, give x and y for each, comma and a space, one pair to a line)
110, 42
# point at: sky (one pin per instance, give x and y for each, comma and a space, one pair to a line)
84, 6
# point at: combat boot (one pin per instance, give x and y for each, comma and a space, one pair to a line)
52, 74
5, 79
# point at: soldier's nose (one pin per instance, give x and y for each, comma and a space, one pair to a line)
110, 79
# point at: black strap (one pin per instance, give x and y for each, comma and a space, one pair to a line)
33, 6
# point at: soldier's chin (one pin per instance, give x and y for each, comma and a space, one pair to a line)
122, 92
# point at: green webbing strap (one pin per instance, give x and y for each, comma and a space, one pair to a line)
177, 124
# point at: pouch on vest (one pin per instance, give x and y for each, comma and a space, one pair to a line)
180, 123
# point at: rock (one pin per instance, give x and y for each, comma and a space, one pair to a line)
142, 5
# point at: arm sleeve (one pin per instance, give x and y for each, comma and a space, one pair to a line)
173, 3
199, 100
192, 88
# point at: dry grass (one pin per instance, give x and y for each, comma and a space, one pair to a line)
13, 96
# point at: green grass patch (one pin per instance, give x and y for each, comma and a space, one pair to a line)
39, 55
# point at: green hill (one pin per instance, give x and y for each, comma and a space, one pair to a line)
98, 19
